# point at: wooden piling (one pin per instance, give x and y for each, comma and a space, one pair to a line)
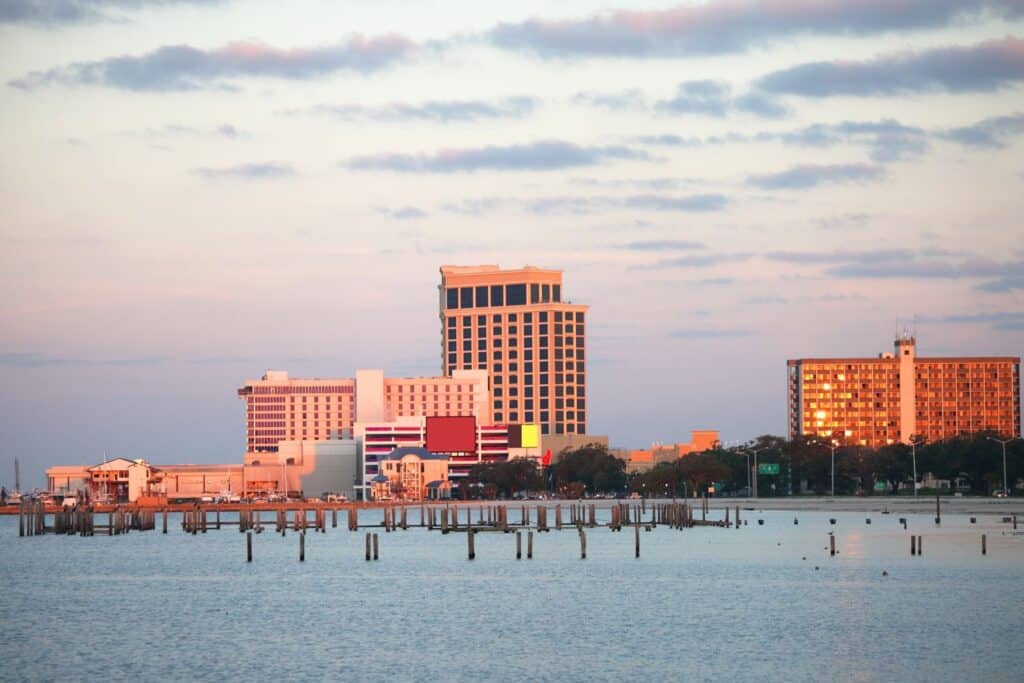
529, 545
519, 545
637, 538
376, 548
938, 511
367, 546
920, 546
165, 520
913, 545
583, 544
832, 545
302, 546
248, 546
470, 543
984, 545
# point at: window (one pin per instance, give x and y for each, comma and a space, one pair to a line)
466, 332
451, 346
515, 295
546, 294
481, 297
452, 298
481, 344
527, 318
466, 345
451, 321
467, 358
498, 393
497, 296
466, 298
534, 294
556, 292
579, 319
496, 367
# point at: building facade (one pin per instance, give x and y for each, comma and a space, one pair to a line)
378, 440
515, 325
648, 458
896, 396
282, 408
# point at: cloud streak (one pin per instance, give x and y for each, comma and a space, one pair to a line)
59, 12
437, 111
715, 98
812, 175
542, 155
991, 133
727, 26
268, 170
585, 205
176, 68
983, 67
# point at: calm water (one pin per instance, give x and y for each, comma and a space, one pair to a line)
701, 604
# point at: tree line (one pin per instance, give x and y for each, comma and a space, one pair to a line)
970, 465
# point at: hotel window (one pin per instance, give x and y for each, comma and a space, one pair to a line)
556, 292
466, 333
515, 295
467, 358
497, 295
466, 297
451, 321
481, 297
497, 417
466, 345
534, 294
452, 298
481, 344
481, 358
579, 319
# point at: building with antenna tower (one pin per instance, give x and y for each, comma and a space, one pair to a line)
900, 395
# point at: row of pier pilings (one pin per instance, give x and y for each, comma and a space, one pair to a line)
81, 520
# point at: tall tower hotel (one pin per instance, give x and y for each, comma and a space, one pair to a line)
516, 325
879, 401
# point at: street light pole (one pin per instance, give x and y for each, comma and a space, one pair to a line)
755, 451
833, 448
913, 453
1003, 443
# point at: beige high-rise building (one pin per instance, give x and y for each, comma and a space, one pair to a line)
516, 325
283, 408
878, 401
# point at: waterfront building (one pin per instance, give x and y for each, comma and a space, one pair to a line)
896, 396
516, 325
469, 443
279, 407
646, 459
412, 474
308, 468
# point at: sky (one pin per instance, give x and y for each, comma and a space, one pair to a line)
195, 191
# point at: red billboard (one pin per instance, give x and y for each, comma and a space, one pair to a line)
451, 434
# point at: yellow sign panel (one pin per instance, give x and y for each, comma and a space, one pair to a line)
531, 436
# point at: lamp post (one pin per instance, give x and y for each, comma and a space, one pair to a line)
1003, 442
914, 441
755, 451
833, 446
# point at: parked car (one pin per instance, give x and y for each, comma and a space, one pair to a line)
999, 493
